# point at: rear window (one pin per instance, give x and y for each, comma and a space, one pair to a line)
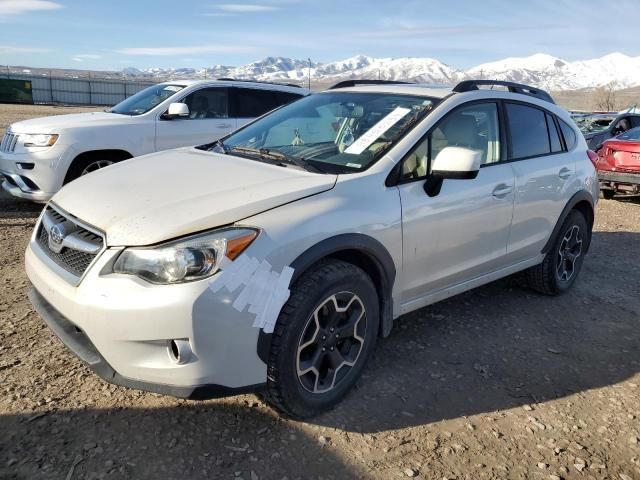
251, 103
569, 135
528, 128
633, 134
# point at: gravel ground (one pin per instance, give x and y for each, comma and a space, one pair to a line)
496, 383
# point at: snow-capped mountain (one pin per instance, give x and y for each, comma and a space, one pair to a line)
540, 70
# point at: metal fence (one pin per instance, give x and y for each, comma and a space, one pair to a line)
79, 91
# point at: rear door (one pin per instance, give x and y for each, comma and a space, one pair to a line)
461, 232
545, 176
208, 120
250, 103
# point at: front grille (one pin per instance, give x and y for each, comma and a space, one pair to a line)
8, 143
80, 246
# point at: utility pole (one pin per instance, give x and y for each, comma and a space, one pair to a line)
309, 75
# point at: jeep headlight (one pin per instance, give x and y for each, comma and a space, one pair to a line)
185, 260
38, 140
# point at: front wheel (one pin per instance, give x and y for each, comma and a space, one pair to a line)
562, 264
322, 339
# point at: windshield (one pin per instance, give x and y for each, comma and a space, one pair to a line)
145, 100
337, 132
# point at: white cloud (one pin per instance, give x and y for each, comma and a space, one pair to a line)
246, 8
86, 56
16, 7
175, 51
7, 49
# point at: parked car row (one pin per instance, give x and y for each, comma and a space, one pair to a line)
616, 139
273, 258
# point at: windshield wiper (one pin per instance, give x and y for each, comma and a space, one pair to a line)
278, 158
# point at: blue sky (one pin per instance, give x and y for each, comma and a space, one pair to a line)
101, 34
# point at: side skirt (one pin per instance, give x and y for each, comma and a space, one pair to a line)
430, 298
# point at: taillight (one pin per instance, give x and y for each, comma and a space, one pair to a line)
593, 156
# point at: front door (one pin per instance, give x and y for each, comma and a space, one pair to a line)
461, 232
208, 120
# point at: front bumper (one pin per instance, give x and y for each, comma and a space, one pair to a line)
127, 325
14, 185
78, 342
45, 176
619, 177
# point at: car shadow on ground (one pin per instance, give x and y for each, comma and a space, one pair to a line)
194, 441
15, 208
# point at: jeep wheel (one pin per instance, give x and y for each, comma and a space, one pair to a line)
322, 339
562, 264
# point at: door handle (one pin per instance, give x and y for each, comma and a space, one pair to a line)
502, 190
564, 173
225, 125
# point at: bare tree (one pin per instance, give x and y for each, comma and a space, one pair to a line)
605, 98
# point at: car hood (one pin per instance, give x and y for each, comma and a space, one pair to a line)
165, 195
59, 122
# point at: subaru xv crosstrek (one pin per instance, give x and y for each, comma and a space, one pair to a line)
271, 260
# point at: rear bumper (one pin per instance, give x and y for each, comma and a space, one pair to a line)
79, 343
619, 177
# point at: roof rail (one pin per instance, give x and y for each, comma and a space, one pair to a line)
353, 83
469, 85
229, 79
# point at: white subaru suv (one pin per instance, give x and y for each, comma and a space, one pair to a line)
272, 259
39, 156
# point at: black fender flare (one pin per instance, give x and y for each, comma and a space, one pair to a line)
368, 246
581, 196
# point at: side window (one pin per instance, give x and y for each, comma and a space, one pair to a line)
569, 135
208, 103
528, 128
635, 121
285, 97
554, 137
250, 103
475, 127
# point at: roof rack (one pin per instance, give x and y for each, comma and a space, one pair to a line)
353, 83
469, 85
229, 79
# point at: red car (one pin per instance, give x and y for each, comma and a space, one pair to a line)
619, 164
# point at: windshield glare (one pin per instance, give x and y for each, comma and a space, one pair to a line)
145, 100
334, 131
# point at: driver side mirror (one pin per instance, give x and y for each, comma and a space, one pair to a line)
176, 110
455, 163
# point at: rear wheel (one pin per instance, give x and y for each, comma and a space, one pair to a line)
323, 338
562, 264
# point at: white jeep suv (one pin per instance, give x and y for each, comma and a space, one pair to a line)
39, 156
272, 259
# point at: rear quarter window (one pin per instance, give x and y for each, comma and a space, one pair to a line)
569, 134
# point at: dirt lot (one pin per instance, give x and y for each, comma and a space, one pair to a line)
497, 383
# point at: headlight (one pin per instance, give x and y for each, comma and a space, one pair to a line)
38, 140
185, 260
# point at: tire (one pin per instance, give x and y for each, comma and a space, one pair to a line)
608, 194
562, 264
305, 326
83, 166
